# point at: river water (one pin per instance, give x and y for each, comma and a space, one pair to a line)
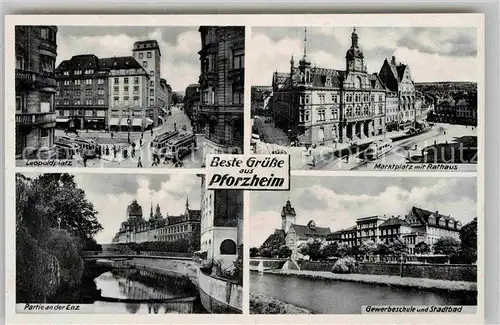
341, 297
115, 285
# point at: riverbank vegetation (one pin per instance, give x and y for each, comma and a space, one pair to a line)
262, 304
54, 223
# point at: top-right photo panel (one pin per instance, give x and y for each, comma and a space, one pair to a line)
349, 98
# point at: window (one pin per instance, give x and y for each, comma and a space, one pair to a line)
44, 133
335, 114
307, 99
116, 89
125, 81
66, 73
145, 64
100, 81
136, 101
44, 33
117, 80
380, 109
149, 55
116, 101
77, 82
100, 91
380, 98
141, 55
373, 98
358, 110
66, 102
20, 62
136, 90
125, 100
100, 102
307, 116
366, 110
349, 98
89, 71
78, 93
357, 98
88, 102
151, 102
136, 80
239, 59
66, 82
88, 81
237, 96
321, 98
151, 73
125, 89
349, 111
151, 92
88, 92
151, 83
321, 115
335, 98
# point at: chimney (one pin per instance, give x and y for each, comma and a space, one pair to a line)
393, 60
437, 213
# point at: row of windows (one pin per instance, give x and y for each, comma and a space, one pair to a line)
77, 93
148, 54
126, 80
125, 101
174, 230
349, 98
87, 112
116, 90
78, 102
78, 82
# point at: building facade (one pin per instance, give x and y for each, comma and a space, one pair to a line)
104, 93
148, 54
192, 103
397, 78
136, 229
221, 223
221, 81
324, 106
35, 86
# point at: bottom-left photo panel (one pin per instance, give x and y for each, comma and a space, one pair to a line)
127, 244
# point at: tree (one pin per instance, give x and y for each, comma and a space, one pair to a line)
176, 98
396, 247
383, 250
254, 251
194, 240
468, 239
422, 248
368, 248
447, 246
266, 252
284, 252
329, 250
312, 248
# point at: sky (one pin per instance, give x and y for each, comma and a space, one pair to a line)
337, 202
112, 193
433, 54
179, 47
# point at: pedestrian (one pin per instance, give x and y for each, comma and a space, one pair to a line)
139, 163
140, 142
111, 134
84, 161
155, 161
175, 126
133, 153
107, 151
151, 132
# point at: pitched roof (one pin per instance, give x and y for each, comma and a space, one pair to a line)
337, 235
194, 214
288, 209
394, 222
306, 232
320, 76
401, 71
423, 216
83, 61
120, 62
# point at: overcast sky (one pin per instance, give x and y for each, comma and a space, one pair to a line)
112, 193
179, 47
433, 54
337, 202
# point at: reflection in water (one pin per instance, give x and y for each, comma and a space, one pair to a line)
127, 286
341, 297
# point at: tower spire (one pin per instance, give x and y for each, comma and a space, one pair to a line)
151, 212
305, 42
187, 203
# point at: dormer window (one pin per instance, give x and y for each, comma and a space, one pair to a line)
311, 225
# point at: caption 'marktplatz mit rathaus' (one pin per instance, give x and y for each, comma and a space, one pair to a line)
322, 106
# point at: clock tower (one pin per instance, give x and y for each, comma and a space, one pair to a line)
354, 56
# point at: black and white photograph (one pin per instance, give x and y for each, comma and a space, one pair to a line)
332, 245
127, 96
366, 98
127, 244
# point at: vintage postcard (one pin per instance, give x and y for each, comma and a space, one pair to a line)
127, 96
367, 98
307, 169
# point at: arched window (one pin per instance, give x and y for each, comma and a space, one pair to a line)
357, 82
228, 247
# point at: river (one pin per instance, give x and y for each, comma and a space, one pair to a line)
342, 297
119, 285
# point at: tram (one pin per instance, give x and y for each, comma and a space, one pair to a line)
378, 149
179, 147
67, 150
160, 141
88, 147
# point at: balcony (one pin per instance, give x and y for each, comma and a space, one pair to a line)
208, 78
225, 222
33, 119
39, 79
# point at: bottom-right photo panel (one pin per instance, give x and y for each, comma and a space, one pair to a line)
352, 245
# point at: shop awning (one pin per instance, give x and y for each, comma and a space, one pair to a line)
137, 122
124, 122
149, 121
114, 121
62, 120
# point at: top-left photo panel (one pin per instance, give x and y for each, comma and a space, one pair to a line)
127, 96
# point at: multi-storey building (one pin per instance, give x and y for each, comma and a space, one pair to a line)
397, 78
221, 82
105, 93
392, 111
128, 94
36, 52
369, 228
148, 54
191, 103
163, 102
136, 229
221, 223
321, 106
